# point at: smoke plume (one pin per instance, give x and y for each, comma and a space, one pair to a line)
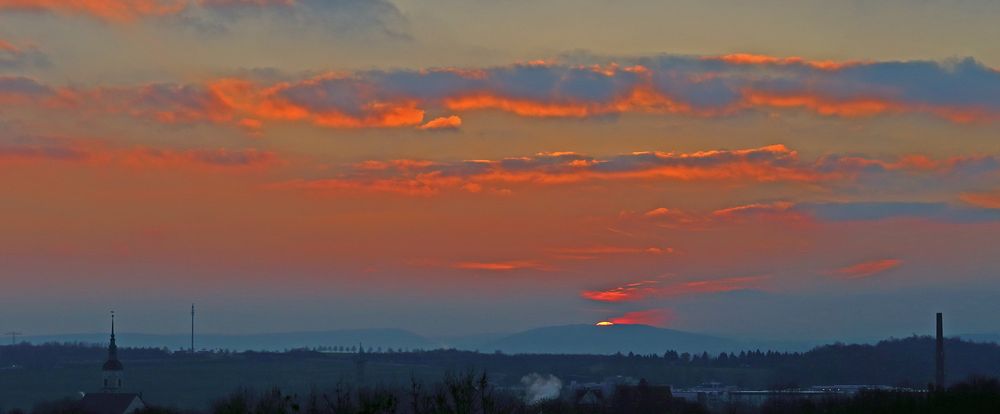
539, 387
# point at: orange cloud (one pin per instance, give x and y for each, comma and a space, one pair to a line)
653, 317
247, 2
111, 10
209, 159
270, 103
449, 122
500, 266
7, 47
624, 293
752, 59
640, 99
780, 210
823, 105
654, 289
585, 253
62, 152
984, 200
776, 163
126, 11
78, 151
685, 86
756, 208
713, 286
853, 107
671, 217
866, 269
771, 163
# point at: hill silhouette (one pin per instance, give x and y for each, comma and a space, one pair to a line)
590, 339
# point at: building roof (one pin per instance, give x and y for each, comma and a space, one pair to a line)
109, 403
112, 365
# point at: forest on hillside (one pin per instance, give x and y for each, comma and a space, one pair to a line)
474, 393
43, 372
906, 361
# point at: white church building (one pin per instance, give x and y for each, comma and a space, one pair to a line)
111, 399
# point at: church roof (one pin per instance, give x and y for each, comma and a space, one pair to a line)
110, 403
112, 365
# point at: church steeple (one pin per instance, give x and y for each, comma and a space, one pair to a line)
112, 347
112, 368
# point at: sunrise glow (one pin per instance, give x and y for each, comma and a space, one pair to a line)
302, 165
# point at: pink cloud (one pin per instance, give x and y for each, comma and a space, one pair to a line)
655, 289
500, 266
653, 317
866, 269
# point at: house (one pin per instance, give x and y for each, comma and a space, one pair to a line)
111, 403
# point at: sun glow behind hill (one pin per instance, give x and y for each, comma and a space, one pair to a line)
604, 323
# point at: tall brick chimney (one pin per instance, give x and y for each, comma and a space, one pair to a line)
939, 355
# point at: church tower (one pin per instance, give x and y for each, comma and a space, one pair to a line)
112, 368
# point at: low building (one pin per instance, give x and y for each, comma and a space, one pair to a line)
111, 403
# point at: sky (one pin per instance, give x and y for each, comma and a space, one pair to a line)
804, 170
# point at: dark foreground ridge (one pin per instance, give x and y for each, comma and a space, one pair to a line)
472, 392
36, 373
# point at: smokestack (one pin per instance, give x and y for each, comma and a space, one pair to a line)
939, 373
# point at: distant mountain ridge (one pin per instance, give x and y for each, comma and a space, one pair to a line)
564, 339
279, 341
590, 339
981, 337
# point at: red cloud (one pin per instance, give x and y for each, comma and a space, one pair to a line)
775, 163
651, 288
640, 99
772, 163
984, 200
111, 10
776, 211
124, 11
866, 269
274, 104
212, 159
628, 292
500, 266
584, 253
62, 150
751, 59
780, 211
450, 122
7, 47
224, 3
653, 317
686, 86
